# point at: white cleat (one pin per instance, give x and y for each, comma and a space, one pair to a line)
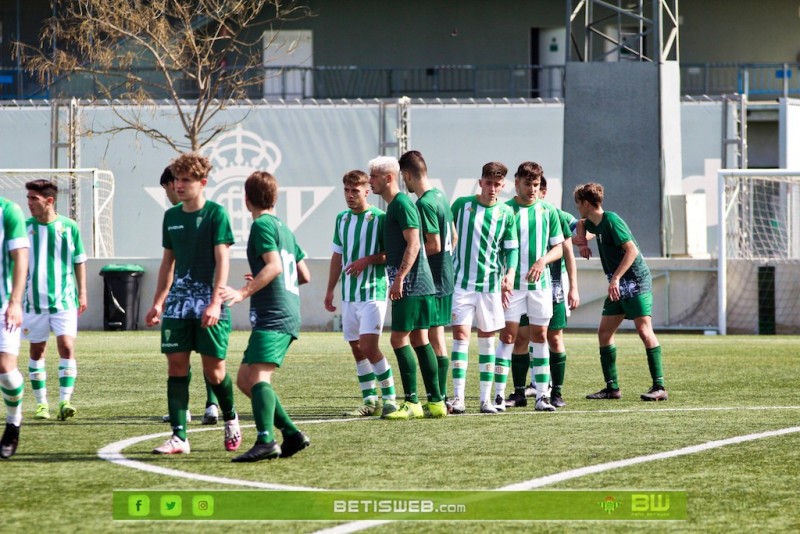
488, 407
173, 445
543, 405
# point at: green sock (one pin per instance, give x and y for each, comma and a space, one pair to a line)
558, 368
430, 371
178, 402
608, 360
282, 420
211, 397
654, 363
264, 401
408, 372
520, 364
224, 392
443, 363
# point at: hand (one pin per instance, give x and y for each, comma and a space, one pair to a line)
211, 314
230, 296
329, 302
248, 277
153, 316
357, 267
573, 299
82, 304
505, 297
580, 241
13, 316
396, 291
613, 290
585, 252
535, 272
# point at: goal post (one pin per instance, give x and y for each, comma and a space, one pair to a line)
85, 195
758, 267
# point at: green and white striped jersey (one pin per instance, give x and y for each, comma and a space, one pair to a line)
12, 236
56, 248
355, 236
539, 230
487, 240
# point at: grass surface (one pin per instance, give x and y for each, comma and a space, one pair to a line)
720, 387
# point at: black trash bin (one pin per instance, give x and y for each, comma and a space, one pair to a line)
121, 296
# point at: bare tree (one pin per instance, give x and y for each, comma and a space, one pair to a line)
132, 52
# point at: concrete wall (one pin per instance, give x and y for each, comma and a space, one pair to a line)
684, 294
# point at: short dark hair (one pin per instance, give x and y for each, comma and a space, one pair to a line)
494, 169
46, 188
261, 189
413, 163
167, 177
543, 182
591, 192
355, 177
529, 170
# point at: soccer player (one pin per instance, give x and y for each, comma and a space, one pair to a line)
13, 273
358, 261
196, 237
540, 239
55, 296
629, 290
411, 290
488, 240
211, 415
439, 235
277, 267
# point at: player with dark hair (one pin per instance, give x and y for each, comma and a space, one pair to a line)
277, 267
629, 290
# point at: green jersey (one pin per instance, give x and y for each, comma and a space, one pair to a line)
487, 239
559, 268
12, 236
355, 236
401, 214
275, 307
192, 237
611, 234
539, 230
56, 248
434, 211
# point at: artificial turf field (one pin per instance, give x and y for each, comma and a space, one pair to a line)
719, 387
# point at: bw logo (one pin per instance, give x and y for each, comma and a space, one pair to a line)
651, 502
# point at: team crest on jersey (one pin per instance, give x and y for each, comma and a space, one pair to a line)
346, 217
197, 222
369, 216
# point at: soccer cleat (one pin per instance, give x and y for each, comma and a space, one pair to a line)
389, 407
42, 411
449, 405
210, 417
260, 451
605, 393
655, 393
9, 441
165, 419
365, 410
557, 400
174, 445
458, 406
542, 405
65, 410
530, 390
499, 403
294, 443
409, 410
233, 435
488, 407
516, 400
435, 410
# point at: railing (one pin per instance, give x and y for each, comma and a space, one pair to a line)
446, 81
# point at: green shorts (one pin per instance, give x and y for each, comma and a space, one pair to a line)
186, 335
638, 306
523, 320
267, 346
444, 311
559, 319
413, 313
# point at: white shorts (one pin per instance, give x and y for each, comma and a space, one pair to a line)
9, 341
488, 307
536, 303
360, 318
36, 327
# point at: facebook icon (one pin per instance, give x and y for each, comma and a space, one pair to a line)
138, 505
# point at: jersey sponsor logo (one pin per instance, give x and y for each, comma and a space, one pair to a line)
174, 227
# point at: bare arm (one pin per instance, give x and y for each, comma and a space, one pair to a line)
411, 235
80, 279
573, 298
455, 236
433, 244
303, 273
334, 272
20, 275
631, 252
358, 266
163, 284
272, 269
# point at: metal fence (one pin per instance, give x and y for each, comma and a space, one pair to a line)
770, 80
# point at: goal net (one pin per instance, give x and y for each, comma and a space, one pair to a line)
84, 195
759, 252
